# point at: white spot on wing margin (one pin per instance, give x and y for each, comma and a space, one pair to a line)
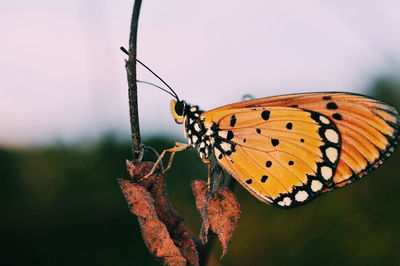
332, 154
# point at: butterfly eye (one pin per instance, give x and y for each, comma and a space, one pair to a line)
180, 108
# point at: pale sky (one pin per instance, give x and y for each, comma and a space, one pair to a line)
63, 76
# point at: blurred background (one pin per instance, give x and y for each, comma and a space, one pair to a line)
64, 133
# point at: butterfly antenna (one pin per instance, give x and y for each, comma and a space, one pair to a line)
152, 84
152, 72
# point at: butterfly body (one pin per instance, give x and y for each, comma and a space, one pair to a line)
287, 150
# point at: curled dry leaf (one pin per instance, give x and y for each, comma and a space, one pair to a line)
220, 212
224, 215
174, 222
200, 191
138, 170
154, 232
155, 184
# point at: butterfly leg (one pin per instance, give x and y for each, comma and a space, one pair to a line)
178, 147
171, 159
208, 171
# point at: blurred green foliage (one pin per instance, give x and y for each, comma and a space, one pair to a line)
61, 205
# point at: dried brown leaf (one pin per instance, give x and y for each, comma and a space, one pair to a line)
220, 212
174, 222
155, 184
200, 191
224, 215
154, 232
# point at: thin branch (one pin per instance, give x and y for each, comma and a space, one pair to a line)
132, 86
164, 215
163, 230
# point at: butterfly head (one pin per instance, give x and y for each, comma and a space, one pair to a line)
179, 110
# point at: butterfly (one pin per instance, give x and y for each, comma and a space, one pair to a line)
288, 150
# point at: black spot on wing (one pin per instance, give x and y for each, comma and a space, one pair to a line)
233, 121
229, 135
275, 142
264, 178
332, 106
265, 114
326, 98
337, 116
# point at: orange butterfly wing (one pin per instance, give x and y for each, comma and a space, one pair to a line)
369, 128
284, 156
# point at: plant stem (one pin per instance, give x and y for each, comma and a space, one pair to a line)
132, 86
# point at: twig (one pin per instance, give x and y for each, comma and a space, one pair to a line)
163, 230
132, 86
156, 197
